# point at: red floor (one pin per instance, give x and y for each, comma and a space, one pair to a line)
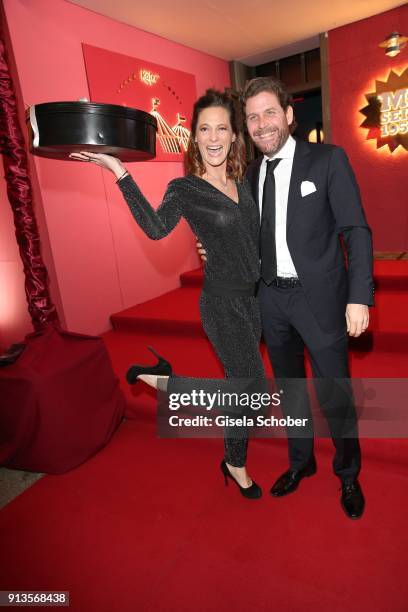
147, 524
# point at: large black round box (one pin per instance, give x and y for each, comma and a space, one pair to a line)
60, 128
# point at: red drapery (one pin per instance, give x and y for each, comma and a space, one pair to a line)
40, 305
60, 401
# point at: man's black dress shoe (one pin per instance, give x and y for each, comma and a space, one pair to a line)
289, 481
352, 499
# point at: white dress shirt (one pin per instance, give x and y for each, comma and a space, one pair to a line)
283, 171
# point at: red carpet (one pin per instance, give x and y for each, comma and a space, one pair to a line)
147, 524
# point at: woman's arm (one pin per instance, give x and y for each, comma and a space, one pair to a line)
155, 224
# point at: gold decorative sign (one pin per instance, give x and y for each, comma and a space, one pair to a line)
148, 77
166, 93
387, 112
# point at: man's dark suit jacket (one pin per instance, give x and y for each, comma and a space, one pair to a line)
314, 225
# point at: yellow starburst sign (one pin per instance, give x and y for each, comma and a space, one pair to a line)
386, 115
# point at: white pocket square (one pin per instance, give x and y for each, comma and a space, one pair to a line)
307, 187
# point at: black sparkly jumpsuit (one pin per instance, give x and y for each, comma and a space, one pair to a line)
229, 232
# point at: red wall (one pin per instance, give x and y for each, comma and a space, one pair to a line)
355, 61
14, 317
102, 261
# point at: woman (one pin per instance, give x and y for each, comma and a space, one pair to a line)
218, 206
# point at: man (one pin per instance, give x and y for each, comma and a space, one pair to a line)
308, 197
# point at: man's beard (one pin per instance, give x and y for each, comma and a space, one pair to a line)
270, 148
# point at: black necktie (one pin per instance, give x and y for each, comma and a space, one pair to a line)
267, 241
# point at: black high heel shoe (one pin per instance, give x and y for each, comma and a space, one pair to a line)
252, 492
162, 368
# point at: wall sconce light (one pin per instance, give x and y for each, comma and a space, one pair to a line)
393, 44
317, 134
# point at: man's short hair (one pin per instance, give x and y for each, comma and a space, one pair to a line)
270, 84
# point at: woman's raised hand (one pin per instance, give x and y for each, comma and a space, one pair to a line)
101, 159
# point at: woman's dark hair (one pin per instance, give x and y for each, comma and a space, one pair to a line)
236, 156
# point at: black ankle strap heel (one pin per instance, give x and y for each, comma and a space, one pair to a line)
162, 368
252, 492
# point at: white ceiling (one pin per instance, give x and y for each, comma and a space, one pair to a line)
251, 31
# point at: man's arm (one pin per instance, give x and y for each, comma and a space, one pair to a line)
345, 201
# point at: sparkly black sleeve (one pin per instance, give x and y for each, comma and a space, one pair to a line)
156, 224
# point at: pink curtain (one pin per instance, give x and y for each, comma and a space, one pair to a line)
13, 148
